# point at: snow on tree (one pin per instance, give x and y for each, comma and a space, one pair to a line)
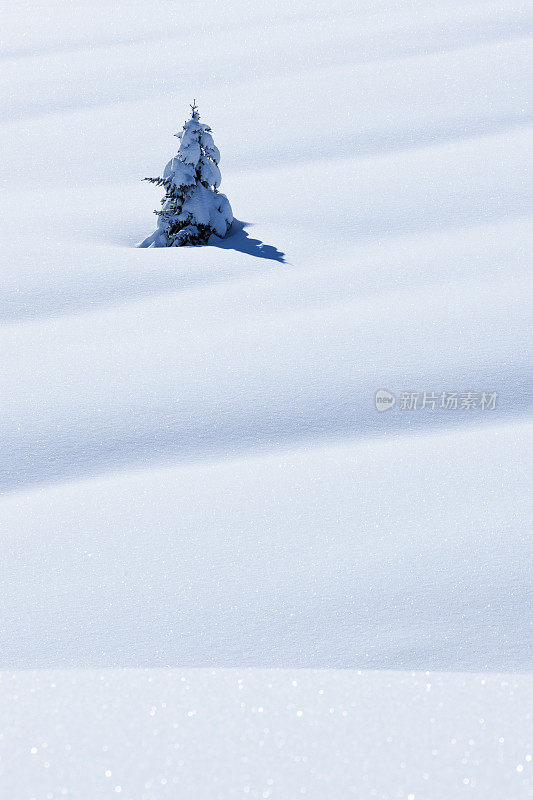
192, 209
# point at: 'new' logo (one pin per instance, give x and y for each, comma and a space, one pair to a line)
384, 400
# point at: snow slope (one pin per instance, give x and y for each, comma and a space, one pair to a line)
193, 470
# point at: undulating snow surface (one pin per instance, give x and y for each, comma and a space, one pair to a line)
193, 470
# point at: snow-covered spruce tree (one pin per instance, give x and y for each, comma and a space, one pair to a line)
192, 209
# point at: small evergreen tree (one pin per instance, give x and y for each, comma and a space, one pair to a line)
192, 209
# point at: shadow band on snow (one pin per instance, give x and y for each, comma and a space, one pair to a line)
238, 239
168, 437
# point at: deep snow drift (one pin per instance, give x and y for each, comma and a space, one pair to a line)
193, 469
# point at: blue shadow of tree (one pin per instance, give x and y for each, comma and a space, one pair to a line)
238, 239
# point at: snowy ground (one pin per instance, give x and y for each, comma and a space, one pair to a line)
193, 471
218, 734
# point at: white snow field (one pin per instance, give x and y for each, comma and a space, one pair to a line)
224, 573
